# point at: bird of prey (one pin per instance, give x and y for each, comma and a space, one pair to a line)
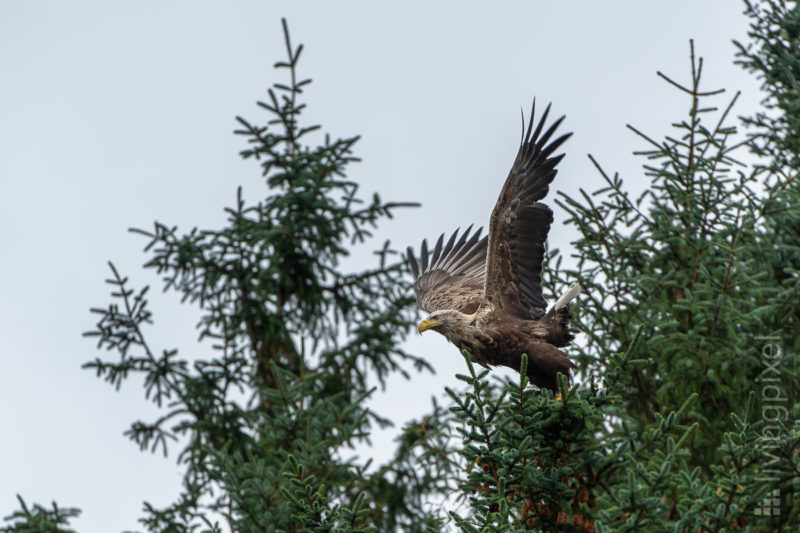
485, 294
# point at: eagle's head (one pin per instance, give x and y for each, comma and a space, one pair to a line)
448, 322
457, 328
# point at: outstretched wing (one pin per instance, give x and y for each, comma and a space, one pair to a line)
519, 224
451, 275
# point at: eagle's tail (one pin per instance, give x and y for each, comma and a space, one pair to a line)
558, 319
572, 293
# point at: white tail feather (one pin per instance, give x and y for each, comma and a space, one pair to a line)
573, 291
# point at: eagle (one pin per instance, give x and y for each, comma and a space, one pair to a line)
485, 294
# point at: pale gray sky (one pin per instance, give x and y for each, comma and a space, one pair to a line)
114, 114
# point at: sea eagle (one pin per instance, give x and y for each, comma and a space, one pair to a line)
485, 294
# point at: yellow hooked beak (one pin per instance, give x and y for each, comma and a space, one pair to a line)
426, 324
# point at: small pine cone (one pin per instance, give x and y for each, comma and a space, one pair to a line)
561, 518
592, 500
526, 507
583, 495
543, 510
577, 519
592, 475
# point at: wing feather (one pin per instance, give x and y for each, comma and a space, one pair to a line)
452, 275
519, 224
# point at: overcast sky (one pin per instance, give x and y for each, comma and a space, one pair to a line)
115, 114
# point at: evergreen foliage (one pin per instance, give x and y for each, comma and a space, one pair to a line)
40, 519
685, 415
266, 419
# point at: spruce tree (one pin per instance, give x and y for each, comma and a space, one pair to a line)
687, 415
265, 419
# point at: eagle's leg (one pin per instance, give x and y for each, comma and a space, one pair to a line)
544, 363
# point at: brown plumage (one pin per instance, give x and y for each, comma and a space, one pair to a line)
485, 294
